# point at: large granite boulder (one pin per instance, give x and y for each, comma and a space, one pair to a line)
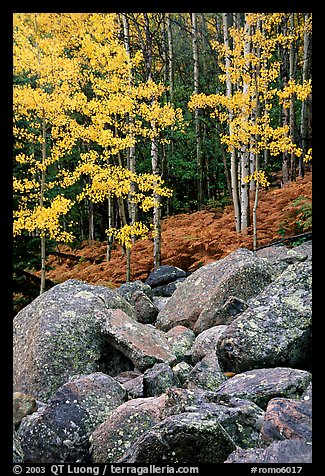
143, 344
286, 418
187, 438
276, 328
206, 342
59, 431
56, 336
116, 434
202, 300
261, 385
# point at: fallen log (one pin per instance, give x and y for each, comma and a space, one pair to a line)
77, 258
288, 239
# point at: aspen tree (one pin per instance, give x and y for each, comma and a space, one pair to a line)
43, 102
194, 35
244, 61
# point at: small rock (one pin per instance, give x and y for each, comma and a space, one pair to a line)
158, 379
164, 274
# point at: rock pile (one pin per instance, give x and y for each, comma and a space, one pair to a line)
209, 367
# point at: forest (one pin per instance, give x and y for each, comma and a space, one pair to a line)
122, 119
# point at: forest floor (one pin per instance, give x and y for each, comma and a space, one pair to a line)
191, 240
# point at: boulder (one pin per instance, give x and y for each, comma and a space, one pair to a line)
242, 419
182, 371
23, 405
200, 302
276, 328
164, 275
287, 451
59, 432
206, 342
143, 344
281, 256
145, 310
158, 379
128, 289
56, 336
160, 302
261, 385
187, 438
206, 374
166, 290
180, 339
139, 295
132, 382
114, 436
286, 418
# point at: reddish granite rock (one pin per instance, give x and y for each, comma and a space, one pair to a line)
286, 418
143, 344
23, 405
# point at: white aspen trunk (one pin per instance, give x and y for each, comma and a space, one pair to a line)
131, 150
233, 157
245, 215
197, 112
157, 198
170, 58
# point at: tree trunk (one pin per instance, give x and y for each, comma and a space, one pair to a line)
131, 150
197, 112
305, 77
292, 103
156, 210
233, 157
245, 214
43, 240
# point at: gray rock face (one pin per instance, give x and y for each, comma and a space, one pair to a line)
261, 385
132, 419
206, 374
206, 342
200, 301
164, 275
143, 344
180, 339
166, 290
288, 451
276, 328
158, 379
18, 455
140, 295
55, 336
281, 256
59, 432
187, 438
